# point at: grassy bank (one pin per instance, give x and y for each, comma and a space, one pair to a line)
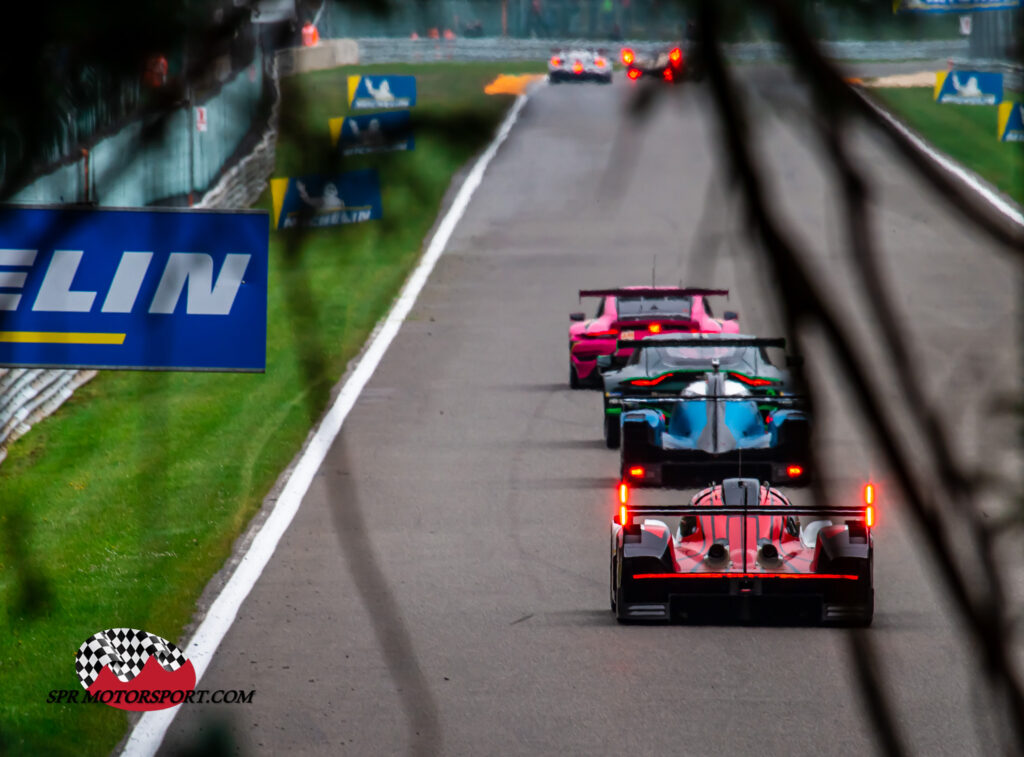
967, 133
119, 509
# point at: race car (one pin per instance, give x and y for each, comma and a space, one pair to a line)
663, 365
743, 551
632, 313
716, 428
669, 66
579, 65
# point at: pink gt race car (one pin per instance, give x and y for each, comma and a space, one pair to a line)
632, 313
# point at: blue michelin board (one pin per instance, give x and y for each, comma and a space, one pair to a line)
390, 91
1011, 122
959, 87
167, 289
314, 201
389, 131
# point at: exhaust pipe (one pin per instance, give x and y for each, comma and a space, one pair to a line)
768, 554
718, 554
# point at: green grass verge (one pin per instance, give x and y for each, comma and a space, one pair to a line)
967, 133
119, 509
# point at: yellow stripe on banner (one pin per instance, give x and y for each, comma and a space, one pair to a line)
353, 85
335, 125
60, 337
1005, 111
278, 187
940, 79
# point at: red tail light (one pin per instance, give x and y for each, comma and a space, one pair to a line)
633, 74
577, 68
555, 60
650, 382
654, 328
794, 471
623, 515
636, 472
675, 55
869, 494
609, 332
623, 493
869, 517
667, 74
627, 58
751, 381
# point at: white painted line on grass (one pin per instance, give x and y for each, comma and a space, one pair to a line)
149, 731
1009, 209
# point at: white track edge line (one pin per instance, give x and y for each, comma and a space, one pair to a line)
992, 196
148, 734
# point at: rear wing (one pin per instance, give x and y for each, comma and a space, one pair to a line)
654, 292
851, 513
783, 400
698, 342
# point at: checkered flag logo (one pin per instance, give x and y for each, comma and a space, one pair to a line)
124, 651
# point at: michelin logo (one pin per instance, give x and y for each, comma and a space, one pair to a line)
190, 272
968, 87
381, 91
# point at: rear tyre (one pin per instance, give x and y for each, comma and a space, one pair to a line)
612, 431
574, 379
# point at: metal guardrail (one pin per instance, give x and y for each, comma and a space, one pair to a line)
405, 50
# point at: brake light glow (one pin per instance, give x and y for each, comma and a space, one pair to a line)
650, 382
794, 471
654, 328
601, 62
555, 60
633, 74
623, 493
577, 68
667, 74
636, 472
675, 55
609, 332
623, 515
749, 381
869, 516
869, 494
627, 57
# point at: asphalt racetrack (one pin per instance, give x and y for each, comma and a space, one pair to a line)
444, 587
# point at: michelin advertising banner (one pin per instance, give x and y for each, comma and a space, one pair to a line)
953, 6
968, 87
375, 132
1011, 122
391, 91
313, 201
167, 289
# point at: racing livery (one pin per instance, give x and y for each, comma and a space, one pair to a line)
631, 313
579, 65
716, 428
663, 365
743, 551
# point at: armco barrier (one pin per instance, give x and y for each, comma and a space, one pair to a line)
404, 50
28, 395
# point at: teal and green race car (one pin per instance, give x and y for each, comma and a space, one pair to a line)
662, 365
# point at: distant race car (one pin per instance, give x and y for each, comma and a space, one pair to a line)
669, 65
744, 552
716, 428
632, 313
663, 365
579, 65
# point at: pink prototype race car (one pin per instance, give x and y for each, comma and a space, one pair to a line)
634, 313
